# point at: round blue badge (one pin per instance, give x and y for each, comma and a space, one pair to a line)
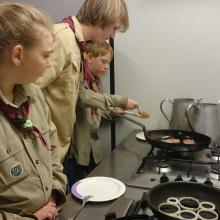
16, 170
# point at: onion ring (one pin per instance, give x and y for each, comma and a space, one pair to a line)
188, 214
173, 200
183, 204
205, 214
169, 209
205, 205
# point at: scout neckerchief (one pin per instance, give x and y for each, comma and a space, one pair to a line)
19, 118
94, 85
82, 47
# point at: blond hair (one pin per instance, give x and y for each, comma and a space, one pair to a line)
99, 49
22, 24
104, 13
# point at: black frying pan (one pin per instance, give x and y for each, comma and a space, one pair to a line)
157, 138
161, 192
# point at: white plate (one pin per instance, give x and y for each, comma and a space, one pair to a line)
140, 136
100, 187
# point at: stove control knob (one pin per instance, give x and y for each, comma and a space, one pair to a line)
178, 178
208, 182
164, 178
193, 179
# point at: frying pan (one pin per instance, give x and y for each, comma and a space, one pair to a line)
156, 137
161, 192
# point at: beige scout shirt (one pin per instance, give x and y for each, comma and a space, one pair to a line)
85, 136
60, 82
27, 176
63, 82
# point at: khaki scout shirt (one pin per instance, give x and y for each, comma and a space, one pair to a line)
85, 136
63, 82
28, 170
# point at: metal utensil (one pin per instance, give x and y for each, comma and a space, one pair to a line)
138, 110
84, 201
132, 113
140, 114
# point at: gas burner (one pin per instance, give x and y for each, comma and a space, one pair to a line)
215, 153
169, 155
162, 167
191, 166
215, 171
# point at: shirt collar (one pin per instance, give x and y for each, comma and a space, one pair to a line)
21, 95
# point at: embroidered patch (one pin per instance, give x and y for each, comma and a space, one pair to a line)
16, 170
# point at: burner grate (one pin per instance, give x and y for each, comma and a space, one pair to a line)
190, 166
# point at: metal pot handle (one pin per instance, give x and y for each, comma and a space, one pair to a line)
161, 108
194, 105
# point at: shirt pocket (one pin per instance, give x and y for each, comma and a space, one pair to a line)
13, 165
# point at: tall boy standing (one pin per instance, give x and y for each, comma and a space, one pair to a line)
97, 20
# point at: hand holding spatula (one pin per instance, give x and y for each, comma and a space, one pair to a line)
140, 114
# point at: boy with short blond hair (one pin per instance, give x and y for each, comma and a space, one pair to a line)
86, 149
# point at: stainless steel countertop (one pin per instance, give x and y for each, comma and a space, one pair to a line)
121, 164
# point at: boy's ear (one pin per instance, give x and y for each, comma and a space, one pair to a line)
16, 54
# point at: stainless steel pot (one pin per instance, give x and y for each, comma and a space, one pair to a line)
205, 118
177, 119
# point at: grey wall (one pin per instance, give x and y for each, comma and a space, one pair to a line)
172, 49
57, 9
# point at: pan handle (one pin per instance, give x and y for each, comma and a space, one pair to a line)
114, 114
161, 108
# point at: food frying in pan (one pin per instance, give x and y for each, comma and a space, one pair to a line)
189, 203
173, 140
189, 208
188, 141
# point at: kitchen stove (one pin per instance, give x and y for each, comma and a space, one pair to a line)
162, 166
215, 153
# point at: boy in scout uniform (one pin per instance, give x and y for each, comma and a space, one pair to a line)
86, 149
97, 20
32, 185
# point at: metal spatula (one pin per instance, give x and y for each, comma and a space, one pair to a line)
140, 115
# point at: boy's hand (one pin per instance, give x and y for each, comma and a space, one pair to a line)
47, 212
131, 104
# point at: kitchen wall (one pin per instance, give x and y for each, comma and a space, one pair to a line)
57, 9
172, 49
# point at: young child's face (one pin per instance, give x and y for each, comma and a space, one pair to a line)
99, 65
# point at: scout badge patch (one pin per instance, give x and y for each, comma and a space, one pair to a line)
16, 170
